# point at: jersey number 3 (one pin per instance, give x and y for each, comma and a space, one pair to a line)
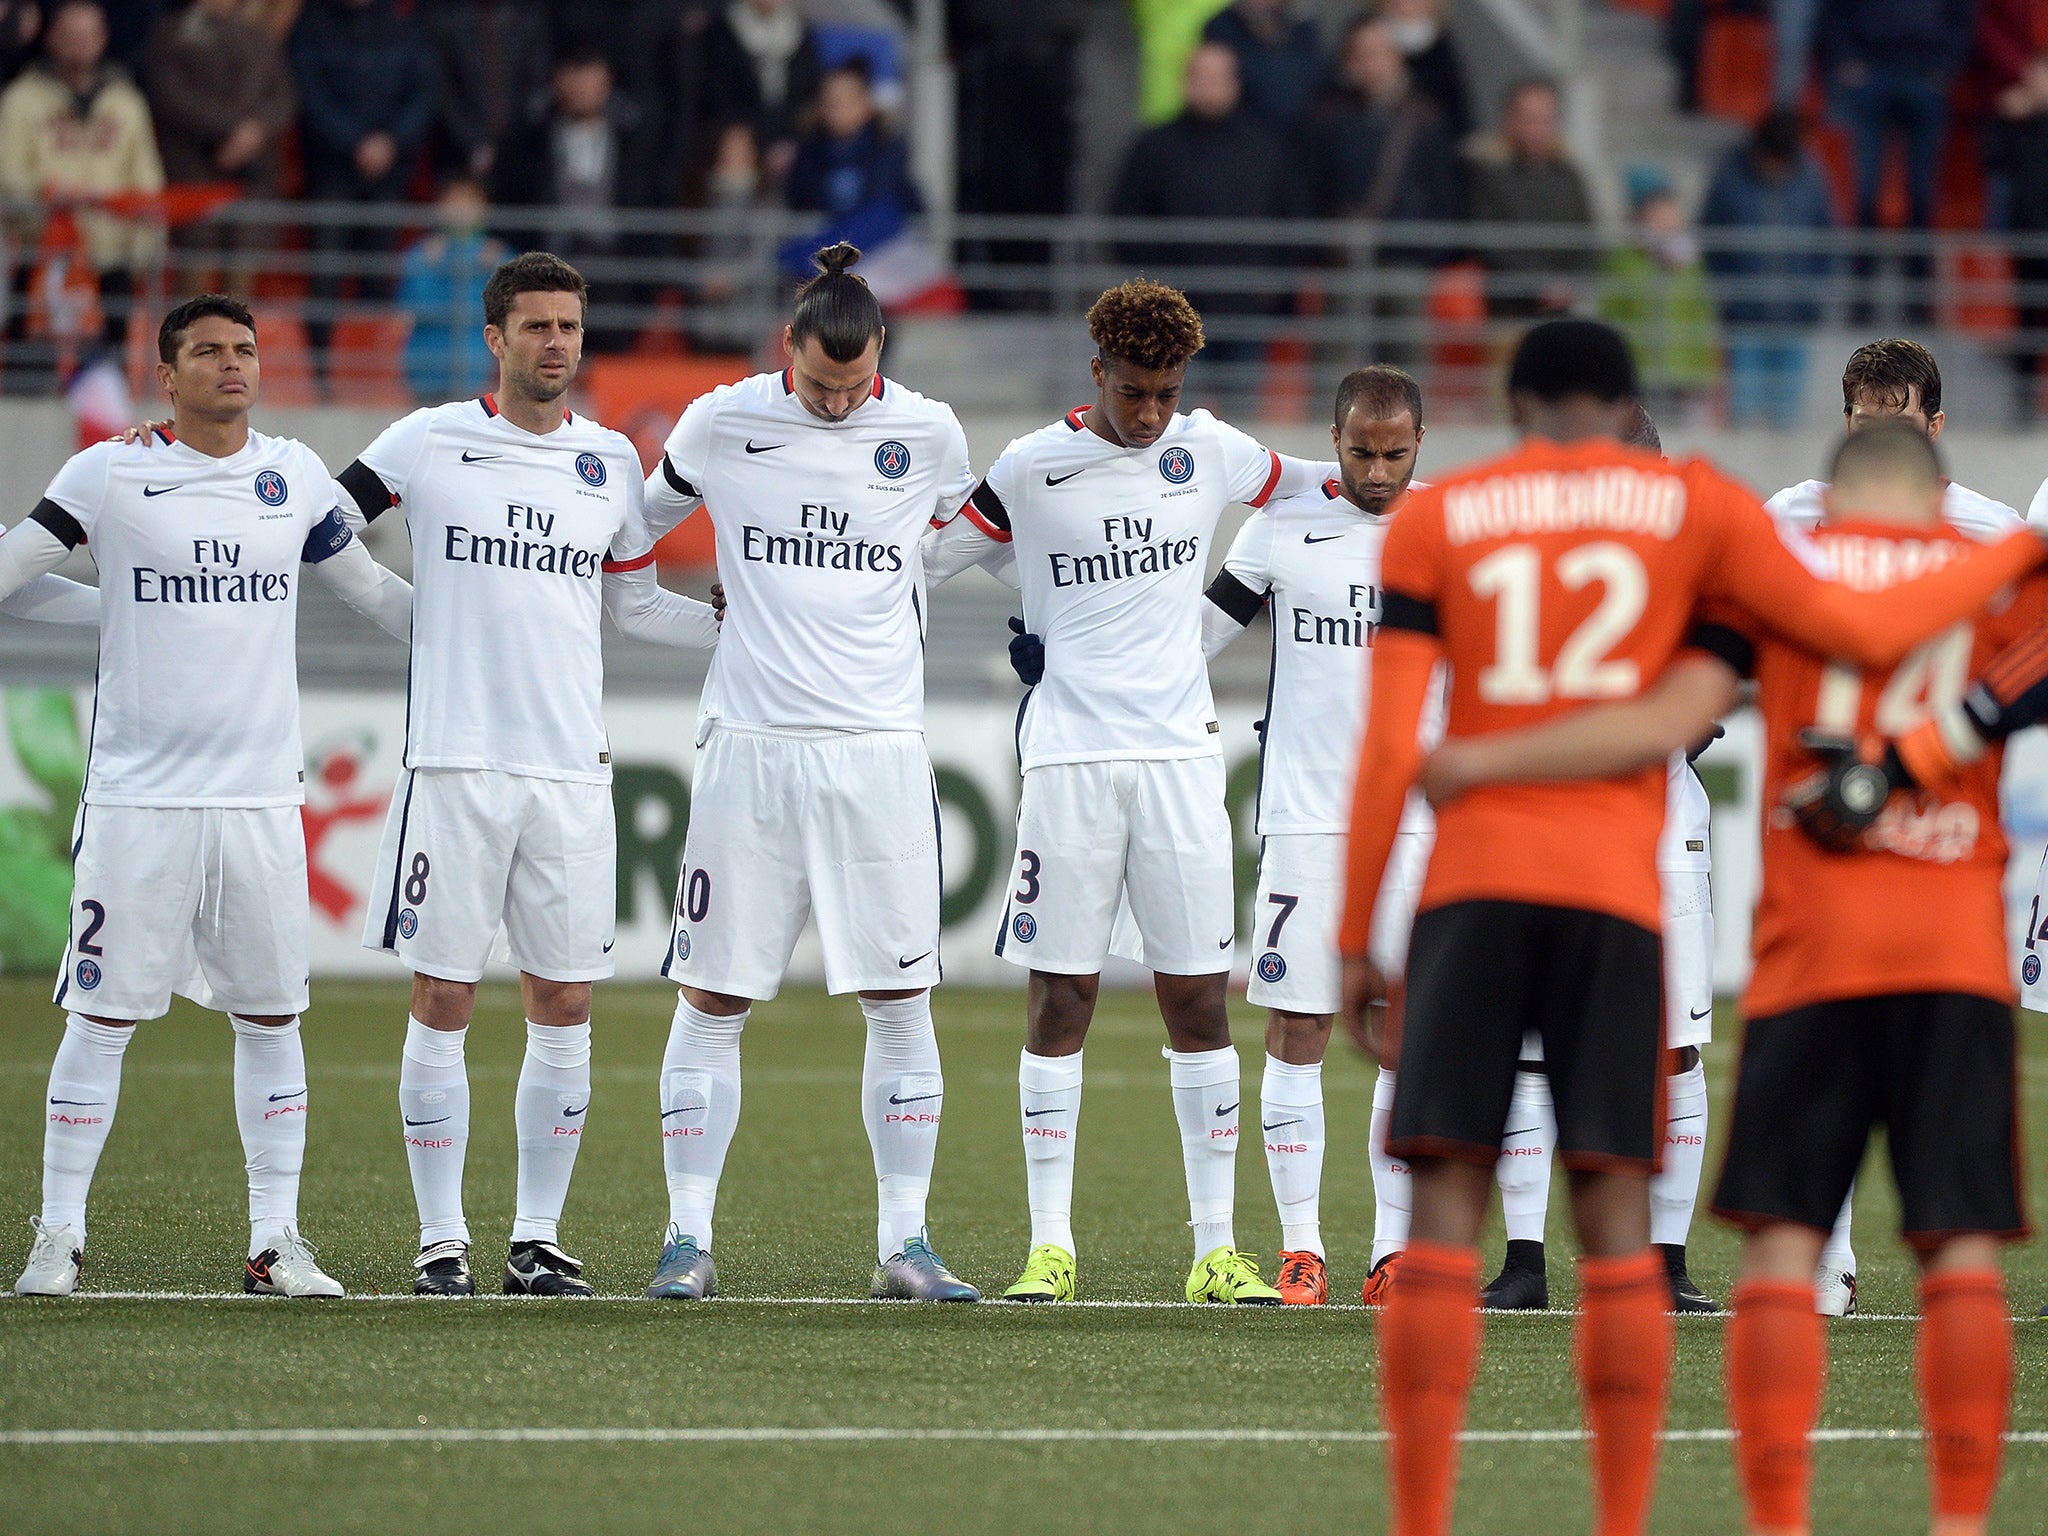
1513, 576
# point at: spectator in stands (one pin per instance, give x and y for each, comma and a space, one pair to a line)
1769, 296
1376, 145
367, 88
731, 250
222, 93
441, 288
1889, 64
1279, 58
761, 68
1215, 161
582, 149
851, 161
2012, 41
1434, 67
21, 34
1654, 290
1522, 176
129, 23
73, 126
492, 57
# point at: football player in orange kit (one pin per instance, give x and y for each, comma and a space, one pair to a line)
1562, 574
1882, 990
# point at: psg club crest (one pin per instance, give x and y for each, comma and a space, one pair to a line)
590, 469
1177, 464
682, 943
2030, 969
1271, 966
408, 923
270, 489
89, 974
1025, 927
892, 460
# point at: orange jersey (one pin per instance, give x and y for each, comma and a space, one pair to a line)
1562, 575
1919, 907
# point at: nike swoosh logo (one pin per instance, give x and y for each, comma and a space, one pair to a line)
1683, 1118
1524, 1131
480, 458
1702, 1013
1224, 1109
1033, 1114
752, 447
1319, 538
608, 947
1280, 1124
915, 1098
1063, 479
1224, 942
571, 1114
279, 1098
687, 1109
904, 965
160, 490
410, 1121
80, 1103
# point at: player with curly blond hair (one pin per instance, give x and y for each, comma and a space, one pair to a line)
1110, 512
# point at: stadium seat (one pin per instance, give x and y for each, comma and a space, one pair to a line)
642, 397
289, 377
1973, 285
1735, 67
1457, 348
366, 361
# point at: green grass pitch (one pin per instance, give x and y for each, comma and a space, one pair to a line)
796, 1221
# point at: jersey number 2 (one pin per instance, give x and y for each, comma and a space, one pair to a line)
1513, 576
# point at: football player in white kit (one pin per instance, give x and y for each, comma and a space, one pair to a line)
525, 519
1684, 869
1886, 380
1313, 560
1110, 513
813, 794
190, 859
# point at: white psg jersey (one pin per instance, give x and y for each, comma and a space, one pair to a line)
818, 525
511, 531
1966, 511
1112, 544
196, 701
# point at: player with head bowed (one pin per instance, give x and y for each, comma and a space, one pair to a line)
190, 861
1312, 560
526, 522
1111, 512
1562, 574
1855, 1018
813, 795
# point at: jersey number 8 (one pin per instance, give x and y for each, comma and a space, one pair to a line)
1513, 576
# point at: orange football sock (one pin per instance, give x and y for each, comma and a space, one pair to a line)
1964, 1362
1623, 1349
1429, 1353
1777, 1363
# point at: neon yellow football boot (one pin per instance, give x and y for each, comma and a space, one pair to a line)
1232, 1278
1048, 1276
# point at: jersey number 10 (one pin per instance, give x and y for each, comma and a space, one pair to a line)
1513, 576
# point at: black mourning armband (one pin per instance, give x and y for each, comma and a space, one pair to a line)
61, 524
1725, 644
1235, 598
1400, 611
371, 495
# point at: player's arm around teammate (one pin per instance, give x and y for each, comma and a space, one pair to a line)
813, 795
190, 858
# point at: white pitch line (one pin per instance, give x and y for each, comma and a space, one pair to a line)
862, 1434
906, 1307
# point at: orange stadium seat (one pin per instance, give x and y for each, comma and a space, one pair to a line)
287, 352
366, 361
1735, 67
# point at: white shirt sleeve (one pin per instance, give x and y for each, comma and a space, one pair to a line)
81, 485
631, 543
961, 542
956, 473
676, 488
1250, 564
2037, 509
394, 456
646, 610
27, 554
375, 591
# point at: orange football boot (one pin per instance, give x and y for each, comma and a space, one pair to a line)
1381, 1280
1302, 1281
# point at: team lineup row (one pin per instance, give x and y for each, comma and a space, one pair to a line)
1558, 679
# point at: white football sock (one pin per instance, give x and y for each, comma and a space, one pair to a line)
1838, 1252
700, 1110
1393, 1191
85, 1087
270, 1108
1523, 1171
901, 1094
1049, 1094
1206, 1093
1291, 1104
549, 1110
1674, 1191
433, 1101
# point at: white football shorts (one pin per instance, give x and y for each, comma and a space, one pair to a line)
1688, 900
1091, 834
208, 902
2034, 952
1295, 966
787, 824
468, 851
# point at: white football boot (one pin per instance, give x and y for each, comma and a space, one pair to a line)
1834, 1292
288, 1269
55, 1261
